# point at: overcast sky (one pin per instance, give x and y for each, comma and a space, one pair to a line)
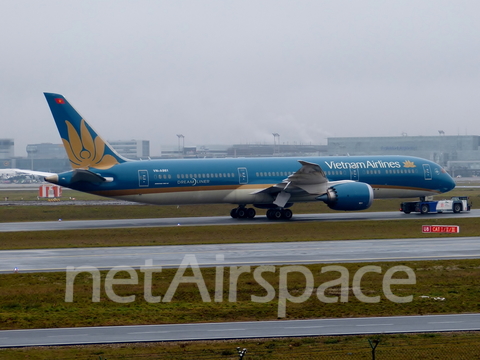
222, 72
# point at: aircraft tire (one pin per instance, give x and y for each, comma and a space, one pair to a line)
287, 214
251, 213
274, 214
277, 214
242, 213
234, 213
269, 214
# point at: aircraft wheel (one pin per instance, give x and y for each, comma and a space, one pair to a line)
277, 214
234, 213
287, 214
242, 213
251, 213
424, 209
272, 214
269, 214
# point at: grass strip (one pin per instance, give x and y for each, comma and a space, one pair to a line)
430, 346
37, 300
192, 235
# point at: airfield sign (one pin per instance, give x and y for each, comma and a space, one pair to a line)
440, 229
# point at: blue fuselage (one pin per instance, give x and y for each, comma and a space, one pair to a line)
240, 180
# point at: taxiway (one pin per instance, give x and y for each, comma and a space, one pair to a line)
221, 220
309, 252
239, 330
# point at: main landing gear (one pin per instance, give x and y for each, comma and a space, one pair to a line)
242, 212
277, 214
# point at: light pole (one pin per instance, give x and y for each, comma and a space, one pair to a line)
31, 151
276, 142
180, 148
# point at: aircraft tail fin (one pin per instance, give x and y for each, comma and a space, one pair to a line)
84, 147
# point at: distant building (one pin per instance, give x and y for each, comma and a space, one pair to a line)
454, 152
47, 165
265, 150
41, 157
132, 149
460, 155
242, 150
44, 157
46, 151
7, 149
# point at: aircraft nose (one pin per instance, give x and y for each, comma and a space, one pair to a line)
449, 183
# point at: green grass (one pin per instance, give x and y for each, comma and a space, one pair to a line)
393, 347
275, 232
57, 211
31, 195
37, 300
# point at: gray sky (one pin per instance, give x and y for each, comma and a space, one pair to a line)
233, 71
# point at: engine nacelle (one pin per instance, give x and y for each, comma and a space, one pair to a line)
348, 196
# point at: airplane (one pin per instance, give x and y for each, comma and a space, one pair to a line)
344, 183
11, 172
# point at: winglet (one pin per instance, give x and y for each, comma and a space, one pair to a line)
84, 147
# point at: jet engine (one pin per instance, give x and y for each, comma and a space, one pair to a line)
348, 196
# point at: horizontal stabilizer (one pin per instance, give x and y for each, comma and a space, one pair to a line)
87, 176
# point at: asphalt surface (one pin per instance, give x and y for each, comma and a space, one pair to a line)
221, 220
310, 252
239, 330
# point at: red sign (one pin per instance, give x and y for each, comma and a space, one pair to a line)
440, 228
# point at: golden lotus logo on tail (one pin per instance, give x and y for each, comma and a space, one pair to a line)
84, 151
409, 164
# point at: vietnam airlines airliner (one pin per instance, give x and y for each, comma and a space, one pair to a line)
275, 184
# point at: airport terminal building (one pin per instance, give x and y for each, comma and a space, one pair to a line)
132, 149
459, 154
53, 157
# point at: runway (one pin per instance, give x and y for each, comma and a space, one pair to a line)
222, 220
239, 330
310, 252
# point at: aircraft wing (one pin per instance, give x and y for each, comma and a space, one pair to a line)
28, 172
310, 179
